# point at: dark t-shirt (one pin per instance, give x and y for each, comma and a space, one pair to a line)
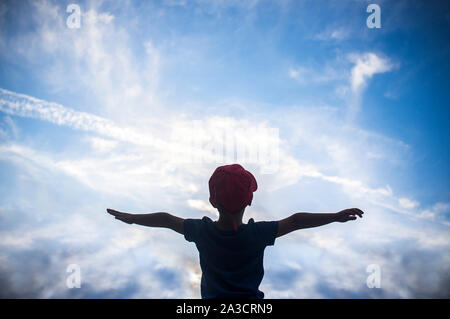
231, 261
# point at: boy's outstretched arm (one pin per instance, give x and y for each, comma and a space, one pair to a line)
308, 220
159, 219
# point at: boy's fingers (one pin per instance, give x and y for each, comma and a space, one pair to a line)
357, 211
123, 219
113, 212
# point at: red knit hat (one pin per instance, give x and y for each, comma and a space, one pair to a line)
231, 187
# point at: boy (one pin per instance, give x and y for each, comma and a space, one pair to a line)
231, 253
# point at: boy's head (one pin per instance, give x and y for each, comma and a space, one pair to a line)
231, 188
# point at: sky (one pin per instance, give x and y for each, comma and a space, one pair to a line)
135, 107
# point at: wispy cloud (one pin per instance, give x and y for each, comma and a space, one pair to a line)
306, 75
333, 34
365, 67
407, 203
437, 212
350, 80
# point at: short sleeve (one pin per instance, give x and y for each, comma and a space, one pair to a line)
267, 232
191, 229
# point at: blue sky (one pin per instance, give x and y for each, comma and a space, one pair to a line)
101, 116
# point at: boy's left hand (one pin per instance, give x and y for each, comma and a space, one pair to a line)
348, 214
125, 217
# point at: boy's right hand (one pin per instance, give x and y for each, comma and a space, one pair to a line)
348, 214
125, 217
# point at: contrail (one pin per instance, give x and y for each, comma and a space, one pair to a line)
27, 106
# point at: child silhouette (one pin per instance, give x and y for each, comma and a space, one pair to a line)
231, 253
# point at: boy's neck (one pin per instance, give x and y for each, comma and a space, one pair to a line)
226, 222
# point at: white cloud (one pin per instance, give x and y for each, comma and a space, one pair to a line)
27, 106
306, 75
366, 65
102, 145
8, 129
408, 203
436, 211
95, 59
202, 205
351, 82
333, 34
